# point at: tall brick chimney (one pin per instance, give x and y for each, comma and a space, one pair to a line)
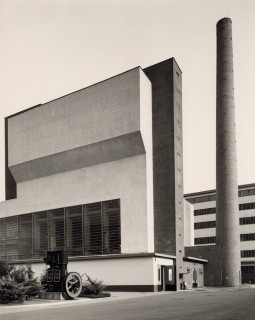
227, 234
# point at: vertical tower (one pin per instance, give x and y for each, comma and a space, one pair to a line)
166, 79
226, 166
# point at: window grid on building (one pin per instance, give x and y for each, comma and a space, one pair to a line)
200, 212
204, 224
242, 206
247, 237
247, 206
245, 193
248, 269
247, 253
212, 197
205, 240
202, 199
83, 230
247, 220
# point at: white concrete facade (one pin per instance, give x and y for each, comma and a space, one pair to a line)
71, 122
91, 146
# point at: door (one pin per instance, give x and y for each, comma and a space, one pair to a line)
168, 278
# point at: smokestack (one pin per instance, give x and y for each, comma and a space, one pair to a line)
227, 228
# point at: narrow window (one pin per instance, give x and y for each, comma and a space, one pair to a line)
93, 229
57, 229
40, 234
25, 236
74, 230
11, 244
111, 218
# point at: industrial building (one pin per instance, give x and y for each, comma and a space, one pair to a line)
202, 211
99, 173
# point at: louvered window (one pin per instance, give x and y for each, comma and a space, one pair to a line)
40, 236
11, 242
93, 229
57, 229
25, 236
2, 239
111, 218
74, 230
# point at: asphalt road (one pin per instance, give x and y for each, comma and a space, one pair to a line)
234, 304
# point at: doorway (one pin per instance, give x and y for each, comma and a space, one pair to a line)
168, 279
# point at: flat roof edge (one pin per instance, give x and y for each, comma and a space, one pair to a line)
241, 186
73, 92
188, 258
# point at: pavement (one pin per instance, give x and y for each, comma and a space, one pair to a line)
39, 304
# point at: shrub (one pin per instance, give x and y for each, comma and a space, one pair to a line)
92, 287
5, 269
43, 279
16, 284
18, 275
32, 288
10, 291
25, 276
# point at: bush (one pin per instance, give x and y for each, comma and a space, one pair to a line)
92, 287
25, 276
10, 291
17, 284
5, 269
43, 279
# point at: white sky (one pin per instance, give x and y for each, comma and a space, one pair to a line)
50, 48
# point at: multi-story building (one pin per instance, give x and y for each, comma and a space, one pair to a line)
98, 173
203, 215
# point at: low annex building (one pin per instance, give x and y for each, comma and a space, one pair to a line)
99, 173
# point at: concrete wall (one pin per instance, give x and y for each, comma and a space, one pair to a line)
188, 277
188, 224
105, 110
124, 179
98, 124
129, 273
92, 145
212, 269
167, 157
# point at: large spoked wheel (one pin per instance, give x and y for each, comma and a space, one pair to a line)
73, 285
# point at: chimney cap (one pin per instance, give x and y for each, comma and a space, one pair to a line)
224, 20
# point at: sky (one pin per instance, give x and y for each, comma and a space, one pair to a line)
50, 48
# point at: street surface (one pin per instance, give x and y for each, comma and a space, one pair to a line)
209, 304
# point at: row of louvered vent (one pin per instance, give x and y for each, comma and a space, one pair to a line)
83, 230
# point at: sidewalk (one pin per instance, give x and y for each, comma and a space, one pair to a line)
38, 304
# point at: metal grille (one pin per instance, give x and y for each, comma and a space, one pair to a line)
111, 218
25, 236
2, 239
57, 229
11, 239
40, 234
92, 229
74, 231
